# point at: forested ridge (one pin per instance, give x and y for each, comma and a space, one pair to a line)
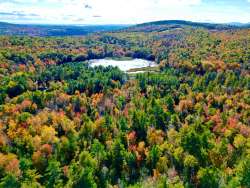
65, 124
48, 30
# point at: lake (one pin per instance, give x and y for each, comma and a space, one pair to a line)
130, 66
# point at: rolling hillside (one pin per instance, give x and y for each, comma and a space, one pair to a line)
53, 30
76, 30
181, 24
64, 123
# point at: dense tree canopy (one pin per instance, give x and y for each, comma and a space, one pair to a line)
65, 124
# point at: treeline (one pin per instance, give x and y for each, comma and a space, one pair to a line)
193, 49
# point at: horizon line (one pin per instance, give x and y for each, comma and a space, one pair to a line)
116, 24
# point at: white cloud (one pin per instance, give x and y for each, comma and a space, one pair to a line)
116, 11
120, 11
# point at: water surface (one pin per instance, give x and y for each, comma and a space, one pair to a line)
124, 65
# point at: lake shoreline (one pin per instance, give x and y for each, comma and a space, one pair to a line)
127, 65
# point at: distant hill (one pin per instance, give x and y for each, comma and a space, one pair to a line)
4, 24
54, 30
239, 24
79, 30
178, 24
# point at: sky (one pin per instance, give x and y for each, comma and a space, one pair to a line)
122, 11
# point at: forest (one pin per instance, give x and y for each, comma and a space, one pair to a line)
54, 30
65, 124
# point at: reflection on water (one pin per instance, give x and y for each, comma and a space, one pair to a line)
124, 65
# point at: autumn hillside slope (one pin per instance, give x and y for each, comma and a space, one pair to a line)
180, 24
65, 124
